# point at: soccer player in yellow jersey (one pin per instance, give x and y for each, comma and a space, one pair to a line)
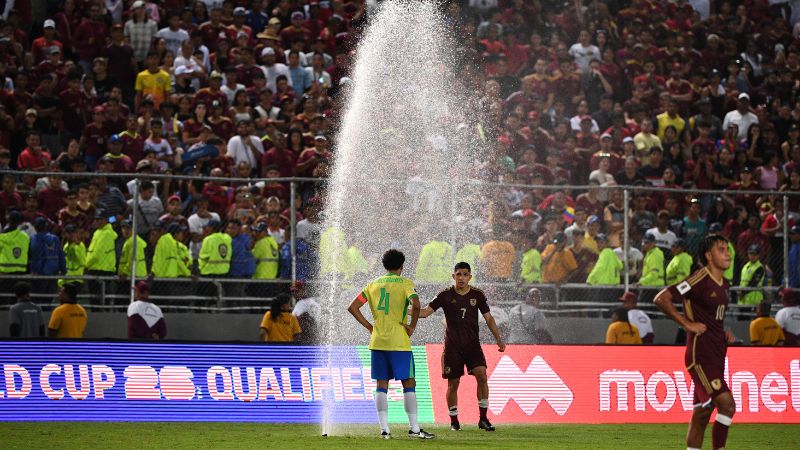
390, 343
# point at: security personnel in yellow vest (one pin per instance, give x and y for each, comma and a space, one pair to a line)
125, 256
753, 276
266, 253
101, 259
74, 254
215, 257
14, 246
165, 259
184, 256
652, 268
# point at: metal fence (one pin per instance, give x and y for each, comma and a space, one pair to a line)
232, 295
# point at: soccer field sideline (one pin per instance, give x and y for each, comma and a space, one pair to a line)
292, 436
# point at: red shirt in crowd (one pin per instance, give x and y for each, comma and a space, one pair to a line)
51, 201
31, 160
284, 158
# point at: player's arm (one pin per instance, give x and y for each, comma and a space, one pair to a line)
664, 302
425, 312
501, 346
415, 312
355, 310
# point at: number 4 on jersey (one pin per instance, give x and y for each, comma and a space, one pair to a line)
383, 302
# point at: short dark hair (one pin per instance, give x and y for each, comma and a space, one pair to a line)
462, 265
707, 244
147, 185
71, 289
393, 259
22, 289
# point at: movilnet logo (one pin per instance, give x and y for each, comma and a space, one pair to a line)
618, 384
527, 388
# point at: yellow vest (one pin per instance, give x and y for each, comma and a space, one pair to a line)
265, 251
14, 247
215, 255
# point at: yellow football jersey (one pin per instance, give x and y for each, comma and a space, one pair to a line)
388, 298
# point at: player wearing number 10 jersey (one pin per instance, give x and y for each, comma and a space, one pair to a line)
389, 297
705, 297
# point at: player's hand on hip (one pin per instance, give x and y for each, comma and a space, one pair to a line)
409, 330
730, 338
501, 346
696, 328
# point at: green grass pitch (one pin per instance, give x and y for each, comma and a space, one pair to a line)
307, 437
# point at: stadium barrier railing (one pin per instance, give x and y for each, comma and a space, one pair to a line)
210, 294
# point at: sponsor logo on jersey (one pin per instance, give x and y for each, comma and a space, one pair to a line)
473, 302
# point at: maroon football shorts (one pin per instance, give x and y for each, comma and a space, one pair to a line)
709, 381
454, 360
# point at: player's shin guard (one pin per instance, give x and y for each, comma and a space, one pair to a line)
719, 432
382, 405
410, 403
483, 406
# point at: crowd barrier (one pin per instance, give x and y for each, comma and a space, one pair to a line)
123, 381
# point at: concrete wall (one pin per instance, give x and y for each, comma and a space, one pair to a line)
244, 327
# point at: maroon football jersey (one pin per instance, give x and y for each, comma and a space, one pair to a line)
461, 314
705, 301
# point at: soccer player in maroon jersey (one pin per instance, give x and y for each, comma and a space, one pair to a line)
705, 297
461, 304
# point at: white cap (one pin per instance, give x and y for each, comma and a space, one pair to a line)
605, 135
744, 95
49, 23
267, 51
627, 139
137, 4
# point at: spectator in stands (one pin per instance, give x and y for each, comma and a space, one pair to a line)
638, 317
497, 259
741, 116
621, 331
279, 324
69, 319
25, 317
558, 262
788, 317
145, 320
764, 330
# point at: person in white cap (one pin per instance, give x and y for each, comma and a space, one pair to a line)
41, 45
272, 70
139, 30
741, 116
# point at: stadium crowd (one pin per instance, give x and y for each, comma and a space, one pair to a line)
688, 96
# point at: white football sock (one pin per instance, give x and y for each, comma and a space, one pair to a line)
382, 405
410, 403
